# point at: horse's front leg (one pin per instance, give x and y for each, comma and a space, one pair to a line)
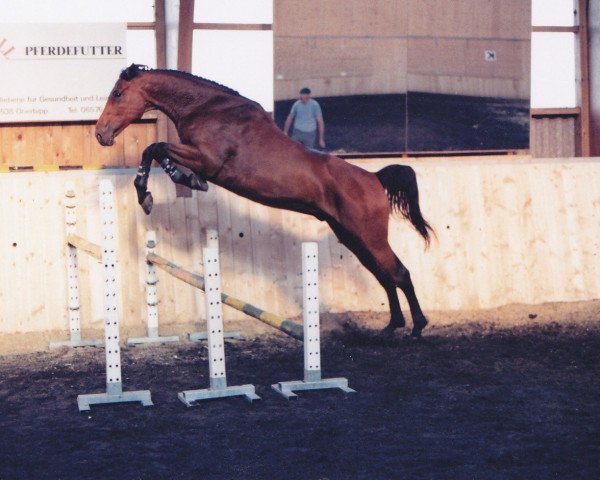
167, 155
141, 179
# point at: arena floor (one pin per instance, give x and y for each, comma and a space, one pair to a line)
506, 393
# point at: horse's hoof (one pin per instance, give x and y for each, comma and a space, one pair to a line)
197, 183
418, 328
389, 331
147, 203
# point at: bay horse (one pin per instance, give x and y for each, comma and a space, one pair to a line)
230, 141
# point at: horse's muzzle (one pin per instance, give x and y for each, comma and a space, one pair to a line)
105, 139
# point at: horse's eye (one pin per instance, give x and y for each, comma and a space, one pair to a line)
117, 94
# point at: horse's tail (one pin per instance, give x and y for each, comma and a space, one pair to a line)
400, 183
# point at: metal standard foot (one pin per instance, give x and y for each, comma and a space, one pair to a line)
204, 335
84, 401
189, 397
287, 388
76, 343
140, 340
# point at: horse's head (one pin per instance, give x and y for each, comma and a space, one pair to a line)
127, 102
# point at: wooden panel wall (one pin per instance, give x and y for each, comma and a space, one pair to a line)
447, 41
388, 46
553, 137
508, 230
71, 144
594, 66
340, 49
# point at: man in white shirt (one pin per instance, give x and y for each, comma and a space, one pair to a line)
307, 117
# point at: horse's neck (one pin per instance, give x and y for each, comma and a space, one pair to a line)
176, 96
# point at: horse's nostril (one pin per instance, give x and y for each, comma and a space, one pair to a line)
99, 137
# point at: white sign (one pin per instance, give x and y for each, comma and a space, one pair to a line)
58, 72
490, 55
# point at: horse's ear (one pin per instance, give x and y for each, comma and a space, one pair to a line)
132, 71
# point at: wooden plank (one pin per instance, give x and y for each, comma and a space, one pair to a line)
160, 33
447, 272
226, 251
576, 278
91, 270
586, 202
130, 243
356, 18
264, 288
552, 137
469, 18
168, 245
71, 144
19, 142
593, 14
555, 112
85, 246
241, 246
574, 29
180, 242
196, 240
584, 134
541, 274
53, 255
291, 226
233, 26
84, 261
186, 33
14, 285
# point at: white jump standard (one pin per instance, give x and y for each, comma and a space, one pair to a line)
312, 343
151, 301
212, 241
74, 304
216, 348
114, 386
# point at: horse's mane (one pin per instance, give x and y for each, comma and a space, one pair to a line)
133, 70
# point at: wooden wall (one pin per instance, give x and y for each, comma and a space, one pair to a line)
553, 136
72, 144
508, 230
391, 46
447, 41
594, 66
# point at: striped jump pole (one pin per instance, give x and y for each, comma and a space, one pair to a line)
312, 343
108, 248
74, 303
285, 325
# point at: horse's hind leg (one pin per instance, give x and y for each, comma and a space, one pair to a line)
396, 317
392, 274
379, 258
403, 281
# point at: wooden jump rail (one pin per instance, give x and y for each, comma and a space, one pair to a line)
84, 245
283, 324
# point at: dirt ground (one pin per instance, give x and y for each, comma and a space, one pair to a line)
508, 393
